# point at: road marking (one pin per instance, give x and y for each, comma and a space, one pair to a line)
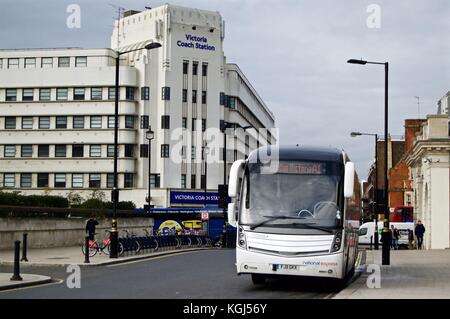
55, 282
152, 258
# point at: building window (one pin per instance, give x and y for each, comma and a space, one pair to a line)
94, 180
62, 93
164, 150
203, 181
26, 150
96, 93
194, 68
10, 151
129, 93
204, 69
145, 93
27, 94
11, 95
60, 180
184, 122
77, 150
96, 122
165, 122
25, 180
64, 62
61, 122
10, 123
95, 151
185, 97
81, 61
43, 150
193, 124
192, 152
165, 93
129, 121
143, 150
185, 67
110, 180
111, 93
46, 63
30, 63
42, 180
193, 180
79, 94
27, 122
112, 122
129, 150
9, 180
231, 102
183, 180
44, 94
78, 122
13, 63
77, 180
144, 122
110, 150
222, 98
60, 150
194, 96
155, 181
203, 97
44, 122
128, 181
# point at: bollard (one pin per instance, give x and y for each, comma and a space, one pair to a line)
16, 275
24, 247
86, 250
370, 247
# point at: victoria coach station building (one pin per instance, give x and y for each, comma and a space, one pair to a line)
57, 113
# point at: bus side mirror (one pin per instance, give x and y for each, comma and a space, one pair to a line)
232, 215
235, 173
349, 179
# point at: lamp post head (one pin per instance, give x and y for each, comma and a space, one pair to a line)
355, 134
355, 61
153, 45
149, 135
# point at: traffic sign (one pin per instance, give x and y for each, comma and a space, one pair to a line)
205, 216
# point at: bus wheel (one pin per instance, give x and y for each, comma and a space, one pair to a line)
258, 279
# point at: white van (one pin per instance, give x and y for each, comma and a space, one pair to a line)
367, 231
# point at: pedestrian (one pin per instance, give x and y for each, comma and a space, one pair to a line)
419, 231
90, 227
396, 235
410, 239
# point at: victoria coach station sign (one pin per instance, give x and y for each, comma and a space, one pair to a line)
193, 198
195, 42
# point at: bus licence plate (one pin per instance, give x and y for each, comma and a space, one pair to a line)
284, 267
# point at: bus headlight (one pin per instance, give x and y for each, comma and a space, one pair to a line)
242, 242
336, 245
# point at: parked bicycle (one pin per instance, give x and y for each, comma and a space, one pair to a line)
131, 241
101, 247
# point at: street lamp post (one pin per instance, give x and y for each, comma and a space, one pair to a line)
375, 189
149, 135
114, 235
386, 232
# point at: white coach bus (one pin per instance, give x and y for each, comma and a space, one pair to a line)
297, 212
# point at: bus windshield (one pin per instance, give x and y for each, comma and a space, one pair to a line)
301, 195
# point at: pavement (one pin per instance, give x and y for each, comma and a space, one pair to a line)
27, 280
65, 256
412, 274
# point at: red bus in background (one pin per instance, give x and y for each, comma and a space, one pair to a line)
403, 214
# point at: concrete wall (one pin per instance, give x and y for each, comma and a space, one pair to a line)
60, 232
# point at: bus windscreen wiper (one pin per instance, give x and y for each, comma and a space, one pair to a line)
270, 218
311, 225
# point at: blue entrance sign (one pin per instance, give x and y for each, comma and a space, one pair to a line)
193, 198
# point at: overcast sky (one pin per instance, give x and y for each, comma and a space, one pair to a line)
294, 52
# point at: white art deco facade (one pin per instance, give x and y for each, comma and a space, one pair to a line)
57, 107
